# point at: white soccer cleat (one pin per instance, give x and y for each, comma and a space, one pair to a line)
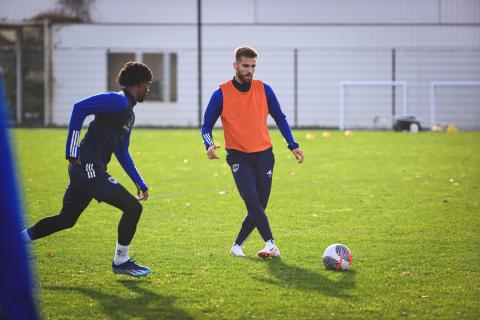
237, 251
269, 252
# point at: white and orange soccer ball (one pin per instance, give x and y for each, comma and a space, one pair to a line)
337, 257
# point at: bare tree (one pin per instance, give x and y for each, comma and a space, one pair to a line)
76, 8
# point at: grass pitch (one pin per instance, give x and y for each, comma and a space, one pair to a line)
407, 205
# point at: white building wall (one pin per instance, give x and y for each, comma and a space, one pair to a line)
330, 54
101, 36
326, 56
144, 11
80, 68
460, 11
347, 37
336, 41
263, 11
348, 11
77, 74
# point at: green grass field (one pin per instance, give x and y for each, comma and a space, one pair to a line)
407, 205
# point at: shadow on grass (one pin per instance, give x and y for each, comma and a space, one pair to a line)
145, 304
293, 277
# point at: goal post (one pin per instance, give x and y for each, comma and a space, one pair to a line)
344, 84
433, 101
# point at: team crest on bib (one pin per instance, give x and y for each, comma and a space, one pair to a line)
235, 167
112, 180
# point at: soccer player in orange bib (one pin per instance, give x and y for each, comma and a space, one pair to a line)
244, 105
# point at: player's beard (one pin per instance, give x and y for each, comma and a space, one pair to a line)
245, 79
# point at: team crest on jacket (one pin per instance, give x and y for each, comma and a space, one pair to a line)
235, 167
112, 180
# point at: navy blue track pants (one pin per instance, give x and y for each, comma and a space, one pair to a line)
253, 176
87, 184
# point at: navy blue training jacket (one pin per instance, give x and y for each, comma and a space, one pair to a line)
108, 133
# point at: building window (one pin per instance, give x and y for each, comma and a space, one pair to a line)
173, 77
115, 64
164, 69
155, 61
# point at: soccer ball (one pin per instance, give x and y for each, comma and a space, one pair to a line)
337, 257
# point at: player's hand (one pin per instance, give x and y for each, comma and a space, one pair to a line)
211, 154
298, 153
75, 161
144, 196
141, 195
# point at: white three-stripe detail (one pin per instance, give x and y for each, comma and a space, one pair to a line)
206, 136
90, 171
76, 144
72, 146
73, 143
72, 139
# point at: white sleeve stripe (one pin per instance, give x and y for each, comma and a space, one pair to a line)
74, 141
206, 137
75, 145
77, 133
90, 171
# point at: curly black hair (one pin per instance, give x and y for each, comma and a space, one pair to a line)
134, 73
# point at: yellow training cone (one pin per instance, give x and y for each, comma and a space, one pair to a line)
452, 128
